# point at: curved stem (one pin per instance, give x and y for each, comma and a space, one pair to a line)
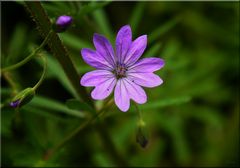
28, 58
43, 74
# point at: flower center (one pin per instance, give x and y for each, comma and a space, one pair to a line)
120, 70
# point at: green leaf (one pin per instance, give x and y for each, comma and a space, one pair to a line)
56, 69
92, 6
208, 115
4, 91
171, 50
74, 42
103, 24
158, 32
44, 113
153, 51
75, 104
54, 105
103, 160
165, 102
137, 15
210, 30
7, 116
56, 8
17, 44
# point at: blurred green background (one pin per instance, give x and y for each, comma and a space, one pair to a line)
192, 119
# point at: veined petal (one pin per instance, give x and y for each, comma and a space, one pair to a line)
145, 79
104, 89
135, 92
147, 65
104, 48
121, 96
123, 42
136, 50
96, 77
94, 59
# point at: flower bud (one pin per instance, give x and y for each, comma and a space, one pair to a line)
23, 97
62, 23
141, 137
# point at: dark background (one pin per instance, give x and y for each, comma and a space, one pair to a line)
191, 120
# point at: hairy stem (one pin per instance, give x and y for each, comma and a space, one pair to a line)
57, 48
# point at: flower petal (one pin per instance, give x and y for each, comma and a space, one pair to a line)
94, 59
135, 92
145, 79
104, 89
123, 42
137, 48
104, 48
147, 65
96, 77
121, 96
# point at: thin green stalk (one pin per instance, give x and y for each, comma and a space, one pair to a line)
43, 74
140, 119
28, 58
136, 15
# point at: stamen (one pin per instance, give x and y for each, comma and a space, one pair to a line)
120, 70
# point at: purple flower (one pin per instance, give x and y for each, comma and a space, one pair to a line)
121, 71
63, 22
15, 103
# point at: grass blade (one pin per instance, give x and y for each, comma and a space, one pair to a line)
103, 24
153, 51
43, 102
136, 16
165, 102
17, 44
158, 32
74, 42
92, 6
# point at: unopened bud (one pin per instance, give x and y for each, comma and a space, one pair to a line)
62, 23
141, 137
23, 97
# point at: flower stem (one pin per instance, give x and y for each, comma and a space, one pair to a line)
50, 152
141, 123
28, 58
43, 74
